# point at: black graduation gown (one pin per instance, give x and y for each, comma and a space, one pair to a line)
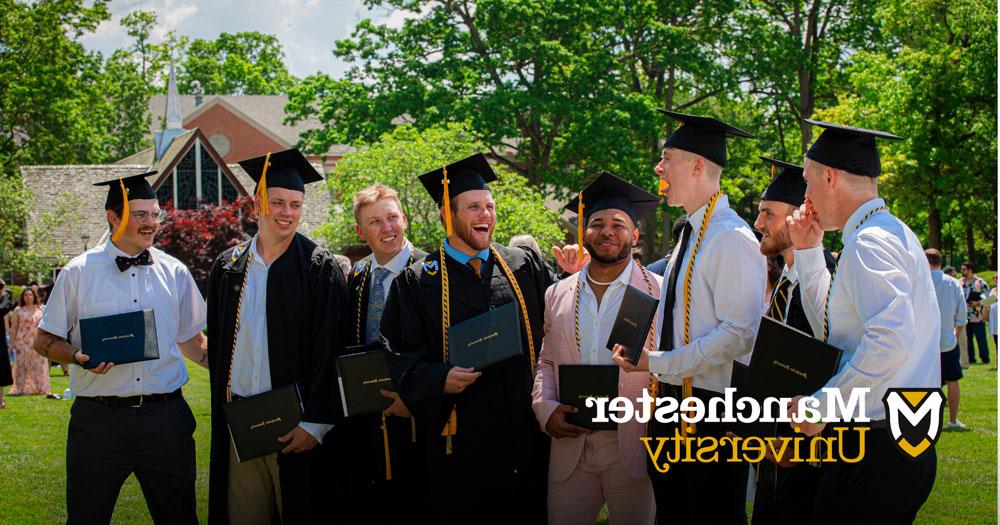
360, 445
785, 495
6, 305
498, 469
306, 300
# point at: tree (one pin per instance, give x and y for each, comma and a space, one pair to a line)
402, 155
938, 90
245, 63
138, 25
15, 207
197, 236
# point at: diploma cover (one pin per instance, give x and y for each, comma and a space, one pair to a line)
256, 422
578, 382
120, 338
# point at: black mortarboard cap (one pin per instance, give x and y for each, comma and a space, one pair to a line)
609, 191
705, 136
850, 149
787, 186
137, 185
471, 173
288, 169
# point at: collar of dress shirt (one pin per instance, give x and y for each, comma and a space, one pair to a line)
114, 251
463, 258
695, 219
791, 274
397, 263
255, 256
623, 278
855, 218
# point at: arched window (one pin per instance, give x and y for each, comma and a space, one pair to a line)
196, 179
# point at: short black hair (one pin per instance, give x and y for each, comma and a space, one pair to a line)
969, 265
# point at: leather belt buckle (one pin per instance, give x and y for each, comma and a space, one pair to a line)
140, 403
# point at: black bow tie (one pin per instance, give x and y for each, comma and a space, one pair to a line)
143, 259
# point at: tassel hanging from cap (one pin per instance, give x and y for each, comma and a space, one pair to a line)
262, 186
773, 169
579, 227
446, 202
125, 213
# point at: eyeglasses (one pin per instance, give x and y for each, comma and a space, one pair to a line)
155, 216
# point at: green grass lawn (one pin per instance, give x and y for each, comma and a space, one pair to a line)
33, 449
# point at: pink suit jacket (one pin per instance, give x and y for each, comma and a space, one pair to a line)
559, 347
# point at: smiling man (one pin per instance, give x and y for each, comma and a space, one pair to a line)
381, 464
128, 418
276, 304
486, 455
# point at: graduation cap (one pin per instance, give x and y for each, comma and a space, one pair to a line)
788, 186
705, 136
850, 149
124, 189
287, 169
451, 180
606, 192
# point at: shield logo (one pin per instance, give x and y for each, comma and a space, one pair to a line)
914, 418
431, 267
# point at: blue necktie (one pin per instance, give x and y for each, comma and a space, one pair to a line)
376, 303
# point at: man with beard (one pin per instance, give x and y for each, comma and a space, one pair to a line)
381, 464
485, 455
128, 418
880, 309
712, 301
589, 469
276, 304
785, 490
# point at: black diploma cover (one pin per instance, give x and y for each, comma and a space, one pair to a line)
578, 382
486, 339
631, 327
256, 422
119, 338
361, 375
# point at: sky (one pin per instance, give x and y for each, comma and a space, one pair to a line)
307, 29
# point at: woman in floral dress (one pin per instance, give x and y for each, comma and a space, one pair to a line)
32, 373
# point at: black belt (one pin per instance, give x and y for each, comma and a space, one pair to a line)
133, 401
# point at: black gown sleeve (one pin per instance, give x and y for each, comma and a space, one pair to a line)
328, 339
416, 368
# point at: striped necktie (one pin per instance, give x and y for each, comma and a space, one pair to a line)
779, 300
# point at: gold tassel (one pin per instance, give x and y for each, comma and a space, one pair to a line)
385, 443
773, 169
446, 202
687, 390
125, 213
262, 186
450, 429
579, 228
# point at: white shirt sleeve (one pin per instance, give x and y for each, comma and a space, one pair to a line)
316, 430
814, 282
60, 313
192, 311
738, 275
884, 302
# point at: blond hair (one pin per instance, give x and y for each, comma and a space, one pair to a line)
373, 194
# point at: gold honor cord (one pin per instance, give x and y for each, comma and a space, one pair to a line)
451, 427
262, 186
236, 328
829, 291
687, 388
125, 213
774, 299
576, 309
357, 335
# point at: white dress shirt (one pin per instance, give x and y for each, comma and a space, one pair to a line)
91, 285
251, 373
883, 312
729, 280
951, 304
596, 321
396, 265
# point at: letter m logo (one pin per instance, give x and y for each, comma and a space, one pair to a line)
914, 416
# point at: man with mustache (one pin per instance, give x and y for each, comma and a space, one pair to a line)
128, 418
486, 456
589, 469
276, 308
785, 490
381, 464
712, 301
880, 309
